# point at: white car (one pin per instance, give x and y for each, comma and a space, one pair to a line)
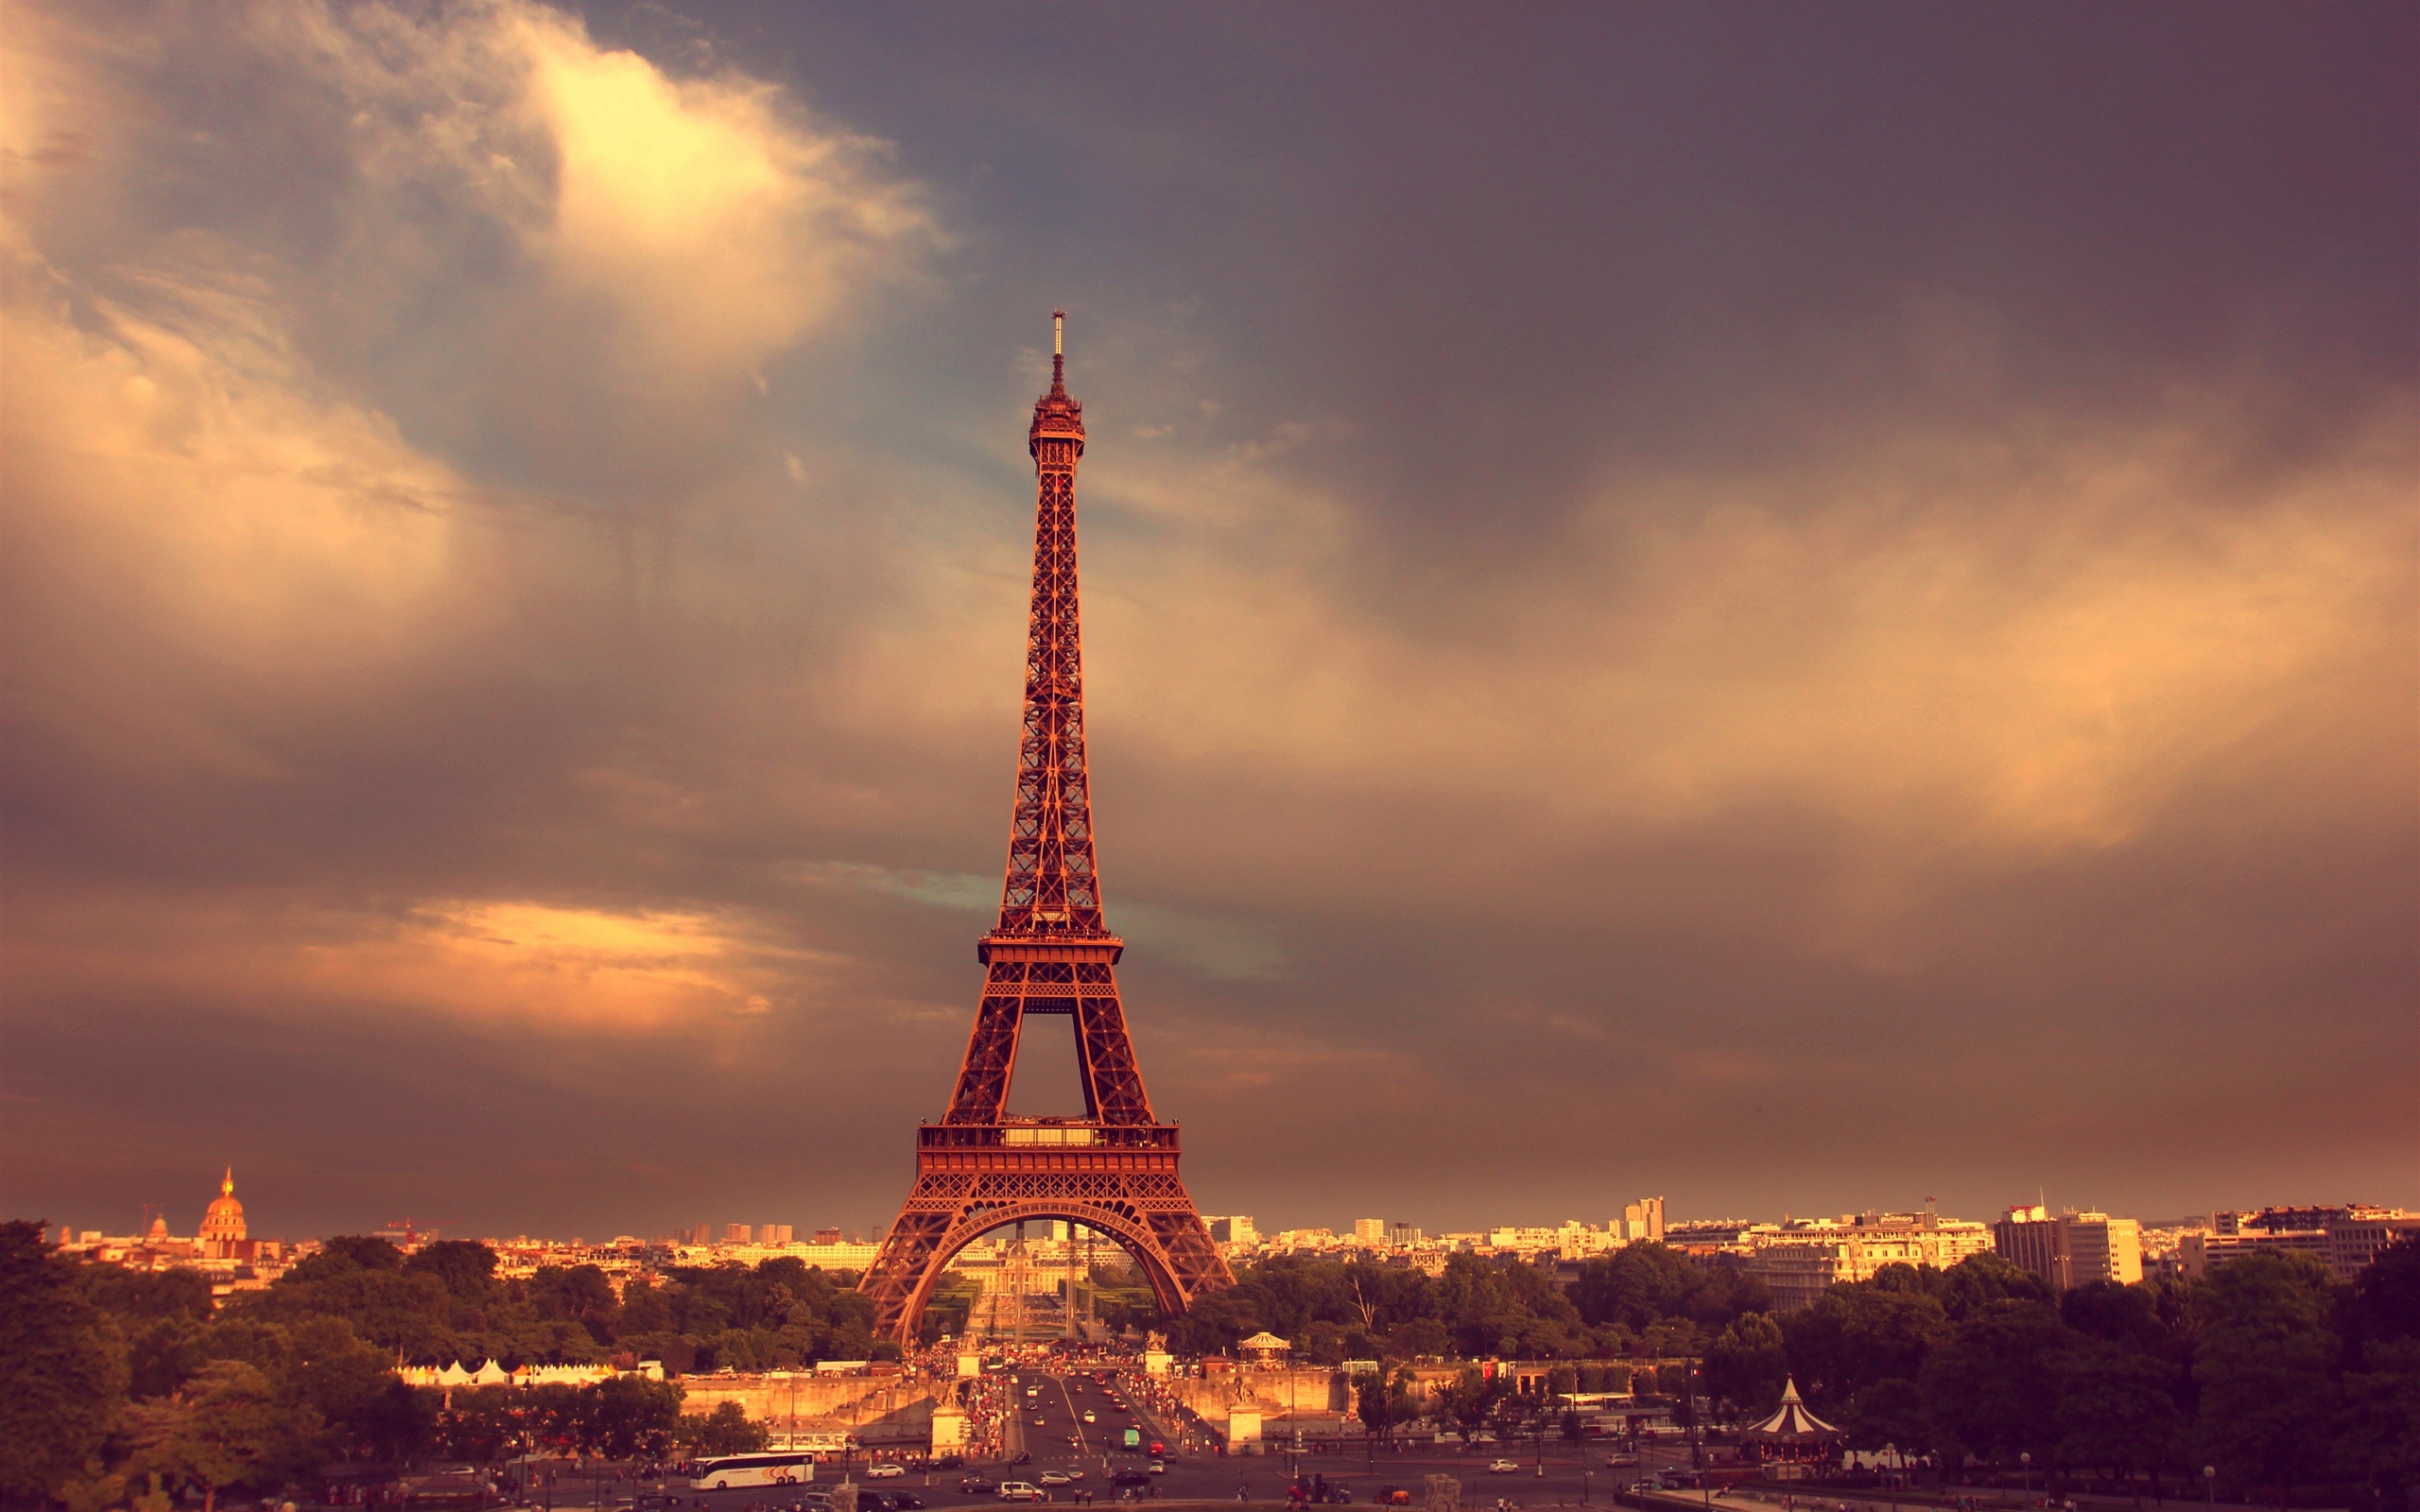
1089, 1418
1504, 1467
1052, 1478
885, 1472
1020, 1491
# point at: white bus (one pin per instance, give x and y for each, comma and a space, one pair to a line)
780, 1468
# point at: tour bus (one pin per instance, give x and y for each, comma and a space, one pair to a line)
780, 1468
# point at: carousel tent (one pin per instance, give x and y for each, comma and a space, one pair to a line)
1794, 1423
1265, 1346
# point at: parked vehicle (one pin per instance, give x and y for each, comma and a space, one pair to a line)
1019, 1491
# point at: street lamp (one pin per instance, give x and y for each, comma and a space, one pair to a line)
2024, 1459
2210, 1486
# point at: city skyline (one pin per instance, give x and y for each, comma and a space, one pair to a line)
1808, 613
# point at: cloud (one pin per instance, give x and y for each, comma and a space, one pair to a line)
516, 558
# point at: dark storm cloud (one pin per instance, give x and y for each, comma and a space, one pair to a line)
1796, 611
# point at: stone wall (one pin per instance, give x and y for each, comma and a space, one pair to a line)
857, 1403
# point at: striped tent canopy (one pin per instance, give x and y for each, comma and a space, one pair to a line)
1794, 1423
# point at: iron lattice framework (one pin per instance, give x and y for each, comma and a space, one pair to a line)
1115, 1171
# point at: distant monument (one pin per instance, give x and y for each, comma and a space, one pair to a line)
1114, 1170
222, 1225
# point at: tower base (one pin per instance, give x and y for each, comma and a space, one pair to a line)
1120, 1180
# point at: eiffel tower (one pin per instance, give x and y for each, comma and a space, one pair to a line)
980, 1168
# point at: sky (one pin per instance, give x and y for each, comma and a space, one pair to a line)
1801, 610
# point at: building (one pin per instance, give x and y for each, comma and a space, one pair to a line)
1800, 1261
2344, 1239
737, 1233
776, 1233
2071, 1249
1370, 1230
1640, 1220
222, 1224
1235, 1230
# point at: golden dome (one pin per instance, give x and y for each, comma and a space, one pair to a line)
224, 1220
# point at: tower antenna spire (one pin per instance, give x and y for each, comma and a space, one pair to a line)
1058, 349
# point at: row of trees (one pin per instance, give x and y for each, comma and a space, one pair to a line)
117, 1384
1643, 1299
444, 1302
2269, 1371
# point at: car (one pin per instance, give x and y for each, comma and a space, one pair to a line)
1642, 1487
950, 1462
1158, 1447
1037, 1422
899, 1502
1124, 1479
1025, 1456
1075, 1475
1052, 1478
1090, 1418
1019, 1491
1503, 1467
976, 1485
885, 1472
1159, 1467
1621, 1462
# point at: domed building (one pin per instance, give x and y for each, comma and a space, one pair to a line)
222, 1226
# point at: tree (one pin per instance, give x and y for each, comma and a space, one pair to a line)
724, 1431
2379, 1320
223, 1429
1467, 1401
1889, 1412
2263, 1361
2116, 1409
62, 1368
1993, 1389
1374, 1402
464, 1266
1747, 1365
1861, 1333
632, 1416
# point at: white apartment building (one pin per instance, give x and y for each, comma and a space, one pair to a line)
1798, 1261
1235, 1230
1640, 1220
2070, 1248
